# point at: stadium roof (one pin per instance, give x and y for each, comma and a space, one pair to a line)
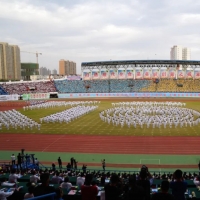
140, 62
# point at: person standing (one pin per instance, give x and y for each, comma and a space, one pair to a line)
72, 162
103, 164
60, 162
13, 160
19, 161
75, 164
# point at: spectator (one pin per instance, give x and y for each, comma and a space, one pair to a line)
56, 179
13, 176
134, 192
59, 194
164, 195
60, 163
30, 192
4, 195
66, 184
197, 181
112, 191
88, 191
34, 178
144, 182
80, 180
178, 186
44, 188
13, 160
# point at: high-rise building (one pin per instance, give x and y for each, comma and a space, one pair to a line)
10, 66
29, 69
44, 71
54, 71
179, 53
67, 67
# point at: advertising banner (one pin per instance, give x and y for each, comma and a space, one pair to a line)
129, 73
172, 73
73, 78
86, 76
181, 74
138, 74
95, 75
147, 74
104, 74
113, 74
164, 73
36, 96
197, 74
155, 73
12, 97
121, 74
189, 74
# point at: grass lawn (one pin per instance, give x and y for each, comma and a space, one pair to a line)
91, 124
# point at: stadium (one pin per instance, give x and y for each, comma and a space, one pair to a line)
130, 113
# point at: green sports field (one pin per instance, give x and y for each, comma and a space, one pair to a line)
91, 124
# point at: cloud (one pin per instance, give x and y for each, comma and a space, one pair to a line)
86, 30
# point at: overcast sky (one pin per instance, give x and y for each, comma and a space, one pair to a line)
86, 30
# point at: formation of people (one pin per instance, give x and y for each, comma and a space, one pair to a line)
53, 104
14, 119
149, 103
140, 114
68, 115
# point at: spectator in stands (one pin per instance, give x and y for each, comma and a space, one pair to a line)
178, 185
59, 194
34, 178
88, 191
44, 188
197, 181
164, 195
4, 195
13, 160
59, 162
30, 192
134, 191
36, 162
66, 184
13, 176
56, 179
145, 180
80, 180
112, 189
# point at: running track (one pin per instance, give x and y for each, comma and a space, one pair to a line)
101, 144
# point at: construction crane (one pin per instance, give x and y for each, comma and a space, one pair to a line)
36, 53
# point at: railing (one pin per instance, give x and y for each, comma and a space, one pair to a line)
51, 197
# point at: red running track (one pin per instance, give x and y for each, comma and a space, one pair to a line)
101, 144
